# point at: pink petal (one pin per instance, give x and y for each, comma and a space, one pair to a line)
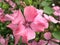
34, 43
56, 13
15, 31
16, 17
37, 27
47, 35
18, 33
39, 24
30, 13
46, 17
12, 26
42, 42
2, 40
56, 8
9, 17
52, 43
1, 11
29, 34
17, 38
40, 12
52, 19
24, 39
2, 18
55, 40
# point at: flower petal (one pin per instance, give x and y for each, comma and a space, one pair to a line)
56, 8
52, 43
42, 42
16, 17
39, 24
2, 40
47, 35
52, 19
30, 13
29, 34
40, 12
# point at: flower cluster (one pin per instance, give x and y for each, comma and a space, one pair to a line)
28, 24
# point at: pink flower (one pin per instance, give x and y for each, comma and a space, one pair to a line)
56, 10
51, 19
43, 42
2, 16
1, 11
26, 25
50, 41
47, 35
4, 41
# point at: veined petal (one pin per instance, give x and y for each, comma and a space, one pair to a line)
39, 24
30, 13
29, 35
18, 18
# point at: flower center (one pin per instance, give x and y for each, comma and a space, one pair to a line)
27, 24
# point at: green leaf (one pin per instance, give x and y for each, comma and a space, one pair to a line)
17, 1
56, 34
5, 6
48, 10
1, 4
26, 2
20, 41
48, 0
30, 2
44, 3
